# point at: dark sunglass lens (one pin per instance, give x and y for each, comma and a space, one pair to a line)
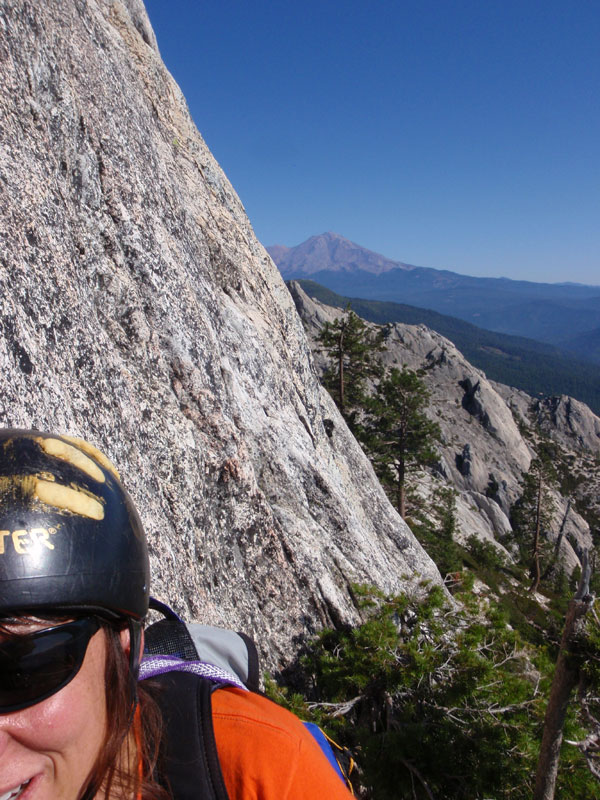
34, 667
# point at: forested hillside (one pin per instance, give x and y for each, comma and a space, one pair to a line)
526, 364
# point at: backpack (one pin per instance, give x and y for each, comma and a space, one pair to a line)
178, 654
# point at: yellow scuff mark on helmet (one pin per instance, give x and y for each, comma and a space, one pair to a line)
17, 485
59, 449
95, 453
75, 499
59, 496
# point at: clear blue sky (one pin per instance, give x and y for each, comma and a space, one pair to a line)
451, 134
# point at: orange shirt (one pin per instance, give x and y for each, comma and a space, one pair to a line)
267, 754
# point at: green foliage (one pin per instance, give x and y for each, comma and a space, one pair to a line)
557, 464
439, 700
589, 653
351, 347
532, 516
485, 553
400, 437
434, 527
293, 701
435, 699
527, 617
560, 585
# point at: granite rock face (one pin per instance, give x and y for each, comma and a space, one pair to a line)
139, 311
569, 422
483, 453
575, 431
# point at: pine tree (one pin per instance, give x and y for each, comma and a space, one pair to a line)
401, 437
532, 516
352, 347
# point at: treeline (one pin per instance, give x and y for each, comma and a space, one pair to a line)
534, 367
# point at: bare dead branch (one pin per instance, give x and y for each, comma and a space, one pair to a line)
414, 771
337, 709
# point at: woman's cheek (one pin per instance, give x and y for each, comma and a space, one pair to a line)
71, 718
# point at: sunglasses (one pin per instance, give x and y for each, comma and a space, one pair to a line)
36, 666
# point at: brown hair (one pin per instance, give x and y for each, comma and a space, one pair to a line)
129, 753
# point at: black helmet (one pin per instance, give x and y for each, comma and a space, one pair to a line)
70, 537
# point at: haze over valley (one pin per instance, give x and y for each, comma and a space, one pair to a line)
566, 315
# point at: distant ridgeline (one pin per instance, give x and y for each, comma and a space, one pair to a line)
534, 367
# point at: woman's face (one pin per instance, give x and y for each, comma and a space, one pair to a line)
49, 749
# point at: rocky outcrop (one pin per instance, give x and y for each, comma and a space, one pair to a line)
574, 430
568, 421
481, 440
483, 453
138, 310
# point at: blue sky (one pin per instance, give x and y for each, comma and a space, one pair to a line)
460, 135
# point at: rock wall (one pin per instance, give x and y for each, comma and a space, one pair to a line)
138, 310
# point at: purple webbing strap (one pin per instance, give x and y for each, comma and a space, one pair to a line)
152, 666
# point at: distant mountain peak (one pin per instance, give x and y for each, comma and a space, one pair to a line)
332, 252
